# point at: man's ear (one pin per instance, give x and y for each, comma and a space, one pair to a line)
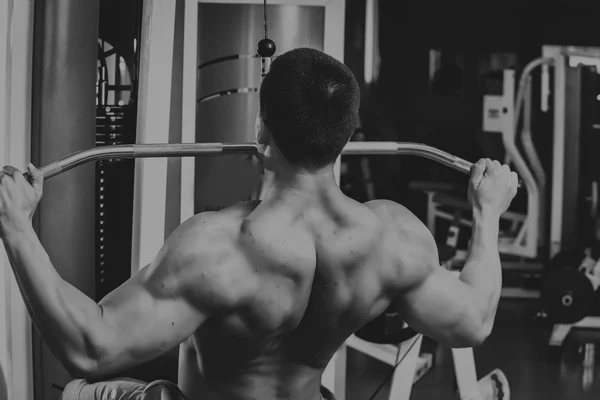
262, 132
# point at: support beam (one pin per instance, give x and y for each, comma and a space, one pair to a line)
466, 375
405, 367
21, 383
6, 372
16, 21
64, 120
156, 67
334, 376
175, 179
188, 111
558, 156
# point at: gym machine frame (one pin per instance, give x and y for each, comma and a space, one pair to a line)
559, 58
556, 57
16, 64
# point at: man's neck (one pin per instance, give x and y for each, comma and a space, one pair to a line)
297, 182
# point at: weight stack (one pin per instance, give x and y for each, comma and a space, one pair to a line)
114, 199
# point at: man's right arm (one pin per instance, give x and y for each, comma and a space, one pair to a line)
458, 312
433, 300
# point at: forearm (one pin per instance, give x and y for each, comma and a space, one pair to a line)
63, 315
482, 270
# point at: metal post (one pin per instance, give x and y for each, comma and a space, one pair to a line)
63, 121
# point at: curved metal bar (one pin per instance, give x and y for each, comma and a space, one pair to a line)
408, 148
81, 157
523, 81
523, 107
214, 149
144, 151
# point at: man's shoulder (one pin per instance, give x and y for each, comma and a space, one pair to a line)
204, 249
220, 222
396, 215
383, 206
413, 242
202, 235
207, 223
212, 232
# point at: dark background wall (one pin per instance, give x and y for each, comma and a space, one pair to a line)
400, 105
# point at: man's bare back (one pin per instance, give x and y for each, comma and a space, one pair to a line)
313, 270
319, 271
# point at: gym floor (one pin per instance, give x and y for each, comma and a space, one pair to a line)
518, 346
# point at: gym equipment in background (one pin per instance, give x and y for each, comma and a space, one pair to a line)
521, 229
572, 303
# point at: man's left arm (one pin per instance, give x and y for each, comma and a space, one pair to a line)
151, 313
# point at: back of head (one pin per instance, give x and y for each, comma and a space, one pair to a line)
309, 102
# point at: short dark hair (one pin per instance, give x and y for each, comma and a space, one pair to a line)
309, 102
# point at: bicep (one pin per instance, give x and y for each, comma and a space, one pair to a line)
191, 280
442, 307
143, 319
434, 301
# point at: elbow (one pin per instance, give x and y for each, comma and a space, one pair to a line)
84, 351
81, 366
84, 361
474, 333
476, 336
479, 337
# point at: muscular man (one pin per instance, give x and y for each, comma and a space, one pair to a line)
262, 294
